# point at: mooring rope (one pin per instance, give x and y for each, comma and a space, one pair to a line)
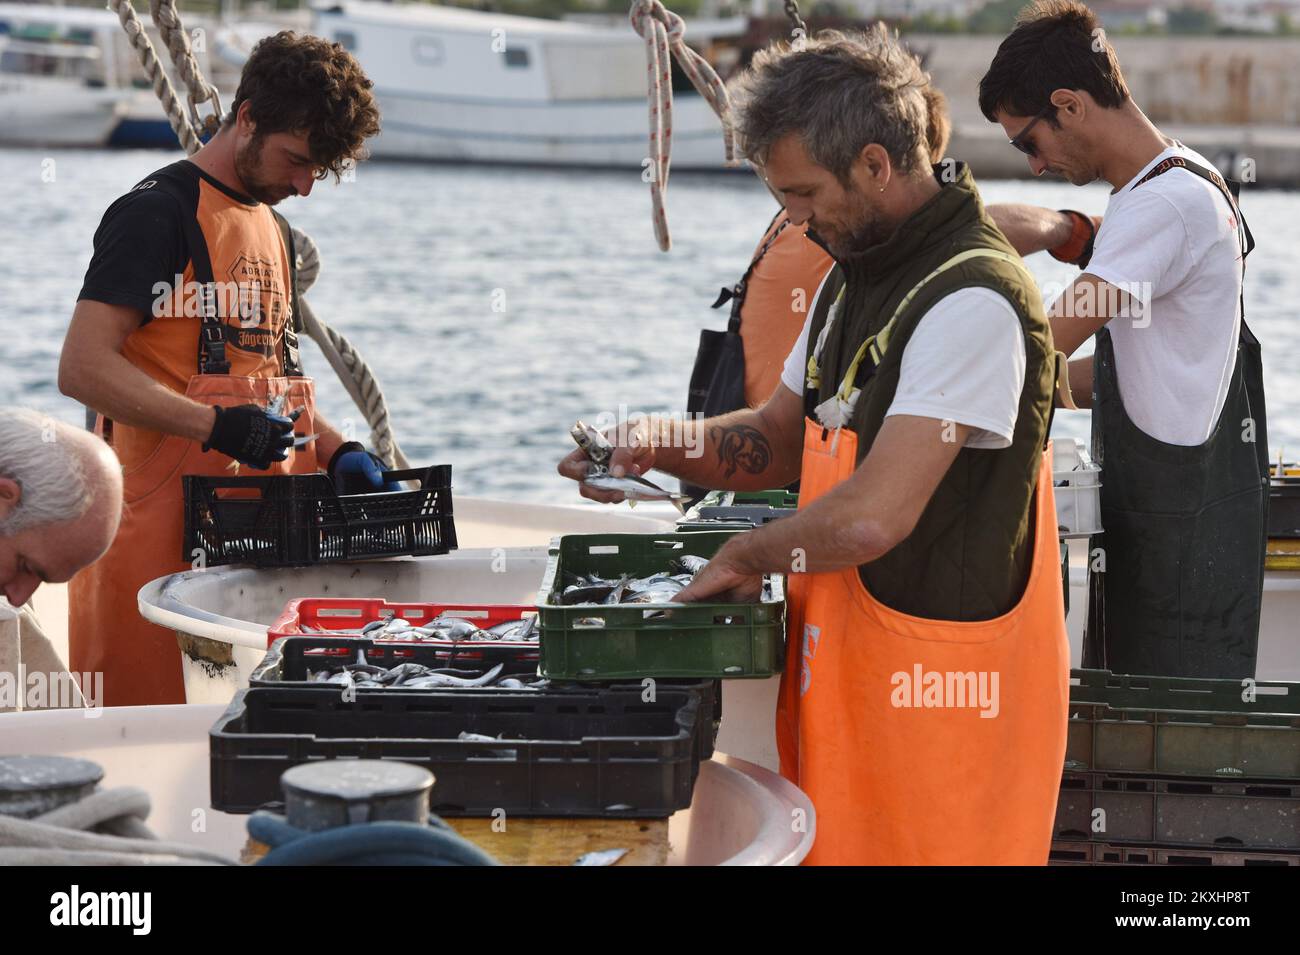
664, 33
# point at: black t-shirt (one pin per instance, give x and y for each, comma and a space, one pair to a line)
141, 239
139, 242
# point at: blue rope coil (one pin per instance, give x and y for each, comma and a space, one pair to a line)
366, 844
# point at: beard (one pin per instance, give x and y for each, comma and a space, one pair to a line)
864, 228
248, 167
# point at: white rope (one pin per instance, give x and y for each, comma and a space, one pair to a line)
664, 33
177, 41
180, 122
346, 361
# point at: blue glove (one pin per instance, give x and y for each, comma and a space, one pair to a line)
354, 470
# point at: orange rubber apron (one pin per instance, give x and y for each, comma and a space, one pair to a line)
921, 784
141, 662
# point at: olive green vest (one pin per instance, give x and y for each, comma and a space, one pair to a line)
968, 556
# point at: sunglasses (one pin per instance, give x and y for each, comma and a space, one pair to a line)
1029, 149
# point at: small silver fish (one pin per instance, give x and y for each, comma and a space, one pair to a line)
457, 628
690, 564
432, 680
602, 857
636, 489
480, 738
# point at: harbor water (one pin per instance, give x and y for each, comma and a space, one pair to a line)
496, 305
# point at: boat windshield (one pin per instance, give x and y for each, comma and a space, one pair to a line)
69, 61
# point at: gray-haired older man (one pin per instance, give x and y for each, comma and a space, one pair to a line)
60, 501
923, 705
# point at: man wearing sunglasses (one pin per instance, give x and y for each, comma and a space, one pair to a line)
1175, 382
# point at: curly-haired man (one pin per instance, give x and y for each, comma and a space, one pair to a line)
183, 338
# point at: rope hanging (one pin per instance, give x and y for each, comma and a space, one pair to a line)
663, 32
177, 41
346, 361
162, 85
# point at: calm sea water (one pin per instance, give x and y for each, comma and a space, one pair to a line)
596, 318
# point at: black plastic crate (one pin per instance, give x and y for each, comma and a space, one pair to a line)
1099, 853
289, 659
289, 520
596, 752
1178, 812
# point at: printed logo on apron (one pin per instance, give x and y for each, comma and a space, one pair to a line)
261, 305
811, 635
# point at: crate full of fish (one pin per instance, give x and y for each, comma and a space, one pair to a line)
738, 510
595, 751
289, 520
377, 619
607, 613
366, 666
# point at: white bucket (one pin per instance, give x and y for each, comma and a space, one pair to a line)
740, 815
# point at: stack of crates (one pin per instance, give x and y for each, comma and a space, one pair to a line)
595, 750
1165, 770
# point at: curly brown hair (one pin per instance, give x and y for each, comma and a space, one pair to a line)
295, 83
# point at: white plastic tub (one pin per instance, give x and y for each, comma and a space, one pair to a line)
221, 614
741, 814
1077, 487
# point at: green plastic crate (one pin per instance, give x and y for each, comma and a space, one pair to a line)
780, 498
1184, 727
1129, 691
737, 510
704, 641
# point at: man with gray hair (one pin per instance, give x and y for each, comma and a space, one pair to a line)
60, 501
923, 704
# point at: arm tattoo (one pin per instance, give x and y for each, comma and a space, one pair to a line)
741, 446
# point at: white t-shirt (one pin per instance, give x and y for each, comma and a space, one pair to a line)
1174, 354
965, 362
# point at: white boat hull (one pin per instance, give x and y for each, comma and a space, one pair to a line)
604, 133
36, 111
462, 86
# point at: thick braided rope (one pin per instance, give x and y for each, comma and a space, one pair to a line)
663, 32
177, 41
180, 121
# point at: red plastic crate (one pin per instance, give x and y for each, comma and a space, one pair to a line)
353, 613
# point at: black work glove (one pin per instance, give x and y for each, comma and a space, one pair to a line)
251, 436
